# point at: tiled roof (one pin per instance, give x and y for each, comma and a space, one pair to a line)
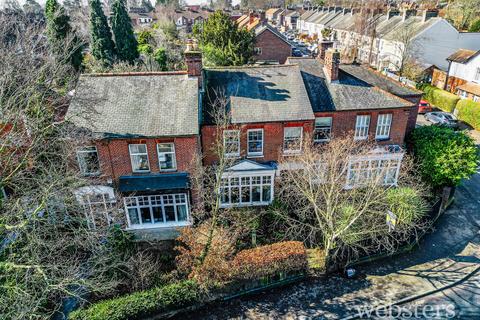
262, 28
470, 87
348, 93
412, 25
258, 94
462, 55
146, 104
272, 11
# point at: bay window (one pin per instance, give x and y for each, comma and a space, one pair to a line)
323, 129
384, 122
292, 140
380, 169
166, 157
157, 210
246, 190
139, 157
88, 163
231, 143
361, 127
255, 142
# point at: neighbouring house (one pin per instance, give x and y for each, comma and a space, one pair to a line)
146, 134
184, 18
384, 40
270, 45
273, 108
462, 76
140, 17
272, 15
291, 18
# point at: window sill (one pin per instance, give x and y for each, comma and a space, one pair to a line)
255, 156
96, 174
382, 139
292, 153
251, 204
167, 170
321, 141
159, 225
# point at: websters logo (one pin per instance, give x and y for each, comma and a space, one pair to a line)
429, 311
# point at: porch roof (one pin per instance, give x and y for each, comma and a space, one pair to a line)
156, 182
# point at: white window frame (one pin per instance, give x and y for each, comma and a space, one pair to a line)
292, 151
383, 163
477, 75
362, 126
138, 154
80, 152
254, 154
476, 98
105, 206
266, 178
384, 124
257, 51
170, 152
156, 201
323, 128
232, 154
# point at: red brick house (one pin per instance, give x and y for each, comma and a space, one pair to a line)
272, 109
146, 129
270, 45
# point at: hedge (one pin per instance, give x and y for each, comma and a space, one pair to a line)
141, 304
469, 112
270, 260
440, 98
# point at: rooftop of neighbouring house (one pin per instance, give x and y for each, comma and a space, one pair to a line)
348, 93
462, 55
136, 104
257, 94
264, 27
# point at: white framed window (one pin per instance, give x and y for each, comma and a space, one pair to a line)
98, 203
246, 190
384, 123
88, 162
166, 157
463, 94
255, 142
292, 140
380, 169
361, 127
231, 143
139, 157
157, 211
323, 129
476, 98
257, 51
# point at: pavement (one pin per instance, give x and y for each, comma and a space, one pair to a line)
444, 268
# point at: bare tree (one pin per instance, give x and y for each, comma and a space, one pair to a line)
406, 47
335, 197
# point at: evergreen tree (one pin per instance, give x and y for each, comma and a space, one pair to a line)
125, 41
61, 35
101, 43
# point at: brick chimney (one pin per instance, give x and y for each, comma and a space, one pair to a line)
427, 14
331, 64
323, 46
193, 60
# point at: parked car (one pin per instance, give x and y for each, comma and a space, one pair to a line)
443, 118
424, 107
296, 53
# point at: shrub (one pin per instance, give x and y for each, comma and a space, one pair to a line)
440, 98
269, 260
475, 26
407, 204
141, 304
445, 156
469, 112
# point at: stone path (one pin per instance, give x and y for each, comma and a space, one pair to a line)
448, 254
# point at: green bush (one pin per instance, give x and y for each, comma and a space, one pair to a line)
407, 204
475, 26
141, 304
440, 98
469, 112
445, 156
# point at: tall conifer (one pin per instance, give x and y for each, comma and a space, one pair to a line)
125, 41
101, 43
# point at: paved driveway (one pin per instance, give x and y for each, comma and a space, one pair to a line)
444, 257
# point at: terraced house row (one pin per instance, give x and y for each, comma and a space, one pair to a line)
148, 127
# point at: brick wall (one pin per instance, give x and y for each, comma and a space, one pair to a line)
343, 123
272, 140
115, 157
273, 48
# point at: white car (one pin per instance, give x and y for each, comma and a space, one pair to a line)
443, 118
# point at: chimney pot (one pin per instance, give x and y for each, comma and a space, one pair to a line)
323, 46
